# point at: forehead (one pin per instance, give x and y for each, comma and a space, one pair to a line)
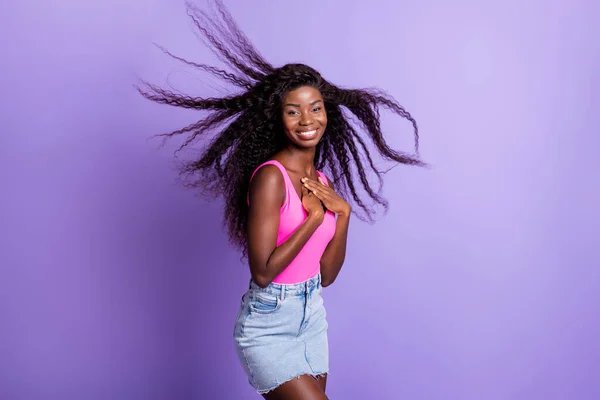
303, 95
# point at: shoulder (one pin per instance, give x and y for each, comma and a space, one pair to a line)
267, 182
268, 174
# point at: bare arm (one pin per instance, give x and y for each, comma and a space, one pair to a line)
335, 253
267, 194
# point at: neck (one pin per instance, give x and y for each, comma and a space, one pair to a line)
300, 159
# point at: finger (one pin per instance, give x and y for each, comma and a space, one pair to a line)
318, 195
307, 180
319, 180
309, 185
323, 184
324, 192
322, 196
313, 185
304, 191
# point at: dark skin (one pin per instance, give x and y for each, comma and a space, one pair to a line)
304, 119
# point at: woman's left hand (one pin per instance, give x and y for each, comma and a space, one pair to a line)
330, 199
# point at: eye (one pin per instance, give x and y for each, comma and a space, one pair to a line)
316, 109
291, 112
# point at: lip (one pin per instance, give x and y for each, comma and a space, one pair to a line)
308, 134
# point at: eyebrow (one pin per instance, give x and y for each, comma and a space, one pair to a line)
298, 105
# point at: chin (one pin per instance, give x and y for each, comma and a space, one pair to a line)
306, 144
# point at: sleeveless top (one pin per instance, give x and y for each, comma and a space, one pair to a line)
307, 263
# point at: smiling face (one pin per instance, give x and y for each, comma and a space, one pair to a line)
304, 117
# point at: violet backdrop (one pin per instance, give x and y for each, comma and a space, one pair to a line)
480, 283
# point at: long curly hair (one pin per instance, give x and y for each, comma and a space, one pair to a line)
247, 126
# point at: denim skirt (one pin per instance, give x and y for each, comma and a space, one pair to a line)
281, 333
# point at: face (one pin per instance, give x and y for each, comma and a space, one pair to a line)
304, 117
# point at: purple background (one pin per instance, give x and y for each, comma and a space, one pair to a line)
481, 282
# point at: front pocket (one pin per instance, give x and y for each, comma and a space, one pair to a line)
263, 303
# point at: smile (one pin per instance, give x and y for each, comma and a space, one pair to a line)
308, 134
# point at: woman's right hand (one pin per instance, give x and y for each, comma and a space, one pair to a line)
312, 204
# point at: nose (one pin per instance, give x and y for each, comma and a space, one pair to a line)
306, 119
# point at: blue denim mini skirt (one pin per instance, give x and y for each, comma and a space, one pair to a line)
281, 333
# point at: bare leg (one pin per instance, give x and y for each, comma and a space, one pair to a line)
304, 387
322, 381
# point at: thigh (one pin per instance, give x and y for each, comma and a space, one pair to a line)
304, 387
322, 381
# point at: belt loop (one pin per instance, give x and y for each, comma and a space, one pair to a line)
282, 293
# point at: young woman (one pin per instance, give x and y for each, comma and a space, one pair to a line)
271, 143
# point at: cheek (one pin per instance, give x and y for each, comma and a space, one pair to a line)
323, 119
288, 124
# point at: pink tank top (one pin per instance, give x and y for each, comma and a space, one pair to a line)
307, 263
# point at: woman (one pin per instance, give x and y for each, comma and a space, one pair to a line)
284, 128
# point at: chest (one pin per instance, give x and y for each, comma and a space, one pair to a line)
296, 182
294, 214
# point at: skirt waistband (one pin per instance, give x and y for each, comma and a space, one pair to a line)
294, 289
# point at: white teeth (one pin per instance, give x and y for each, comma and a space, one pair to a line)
307, 133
